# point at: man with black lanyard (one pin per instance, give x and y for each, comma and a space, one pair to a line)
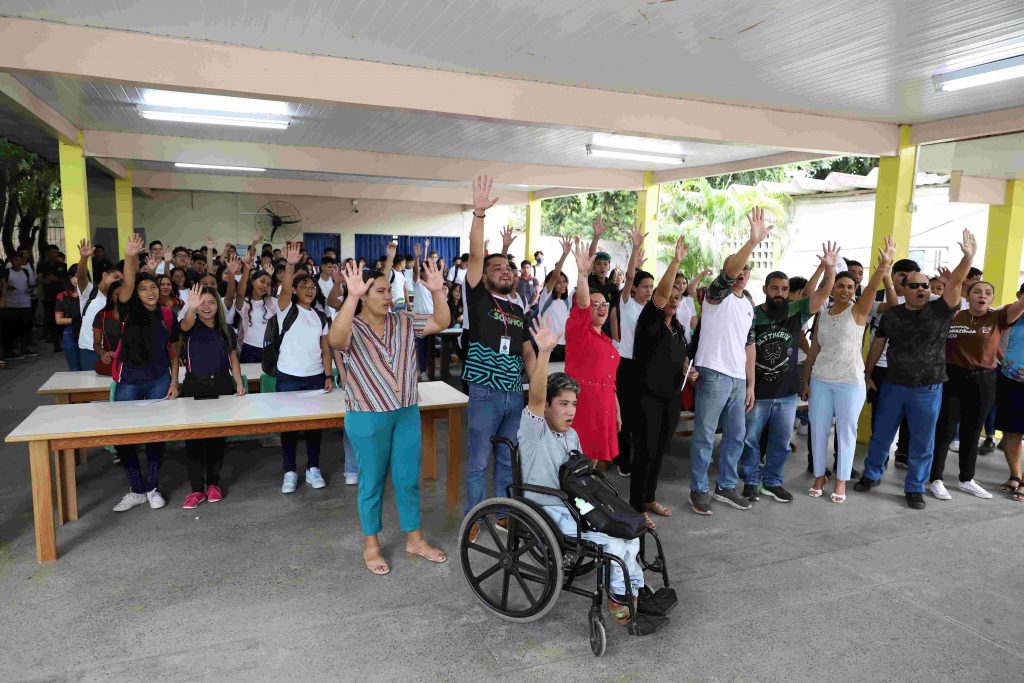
494, 358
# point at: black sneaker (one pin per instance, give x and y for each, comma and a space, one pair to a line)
865, 484
623, 471
752, 492
778, 493
855, 473
731, 497
987, 446
700, 502
915, 501
900, 461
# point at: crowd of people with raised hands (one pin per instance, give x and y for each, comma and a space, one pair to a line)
942, 362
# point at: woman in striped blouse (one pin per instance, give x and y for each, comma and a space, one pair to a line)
382, 419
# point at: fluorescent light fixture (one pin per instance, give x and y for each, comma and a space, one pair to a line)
983, 74
254, 121
651, 157
637, 144
213, 103
215, 167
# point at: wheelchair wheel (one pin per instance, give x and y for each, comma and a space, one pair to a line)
598, 637
500, 566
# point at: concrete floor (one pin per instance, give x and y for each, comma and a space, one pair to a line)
269, 587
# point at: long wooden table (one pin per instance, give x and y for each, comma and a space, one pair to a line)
86, 386
60, 429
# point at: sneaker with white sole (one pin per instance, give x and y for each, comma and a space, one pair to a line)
156, 501
731, 497
974, 489
938, 490
291, 480
314, 478
351, 479
954, 446
130, 500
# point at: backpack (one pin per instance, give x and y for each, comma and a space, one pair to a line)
168, 318
274, 334
597, 501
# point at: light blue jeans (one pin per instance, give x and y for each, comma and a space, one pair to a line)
843, 402
491, 413
718, 397
777, 416
626, 549
921, 406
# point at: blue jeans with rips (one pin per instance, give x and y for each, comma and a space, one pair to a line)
491, 413
921, 406
718, 397
777, 416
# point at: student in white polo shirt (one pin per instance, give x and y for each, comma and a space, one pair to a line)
92, 299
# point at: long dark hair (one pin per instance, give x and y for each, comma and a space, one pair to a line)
565, 294
111, 304
220, 323
318, 298
137, 337
269, 295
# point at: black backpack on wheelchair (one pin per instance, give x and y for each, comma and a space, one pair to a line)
597, 501
517, 561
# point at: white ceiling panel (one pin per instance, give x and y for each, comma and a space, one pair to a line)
861, 58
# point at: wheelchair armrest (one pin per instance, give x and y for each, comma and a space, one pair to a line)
533, 488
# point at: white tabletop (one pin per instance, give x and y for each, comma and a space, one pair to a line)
450, 332
88, 380
96, 419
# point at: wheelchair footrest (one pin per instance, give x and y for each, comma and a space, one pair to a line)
646, 624
659, 603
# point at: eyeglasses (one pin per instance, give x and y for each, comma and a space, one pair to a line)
917, 285
602, 306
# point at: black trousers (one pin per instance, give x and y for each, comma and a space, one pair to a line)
205, 458
967, 397
656, 424
628, 391
903, 437
16, 328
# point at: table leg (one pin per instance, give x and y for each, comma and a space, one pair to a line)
67, 485
63, 400
453, 478
446, 358
429, 468
431, 355
42, 500
58, 475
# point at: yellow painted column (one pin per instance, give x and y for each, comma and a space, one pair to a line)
74, 196
1004, 243
892, 217
124, 210
647, 201
533, 215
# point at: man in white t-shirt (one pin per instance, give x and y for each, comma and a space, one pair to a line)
457, 273
399, 287
540, 268
325, 281
725, 385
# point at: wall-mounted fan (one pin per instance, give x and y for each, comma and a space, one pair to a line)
278, 221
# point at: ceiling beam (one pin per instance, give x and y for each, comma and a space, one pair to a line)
32, 46
735, 166
204, 182
556, 192
112, 166
143, 147
990, 123
44, 114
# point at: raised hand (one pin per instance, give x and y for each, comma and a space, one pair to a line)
759, 227
291, 253
638, 256
482, 194
257, 238
888, 252
233, 265
134, 245
636, 237
195, 295
599, 227
85, 249
151, 264
426, 244
970, 245
680, 249
417, 250
507, 238
210, 245
545, 338
945, 274
354, 281
432, 278
566, 243
830, 254
584, 261
391, 250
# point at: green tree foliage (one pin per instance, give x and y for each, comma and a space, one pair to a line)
570, 216
29, 188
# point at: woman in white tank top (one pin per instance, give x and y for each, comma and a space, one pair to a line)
834, 375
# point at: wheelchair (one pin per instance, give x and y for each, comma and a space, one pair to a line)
535, 553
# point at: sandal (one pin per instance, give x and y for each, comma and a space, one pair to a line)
815, 493
837, 498
1018, 495
374, 561
648, 521
1010, 488
426, 552
658, 509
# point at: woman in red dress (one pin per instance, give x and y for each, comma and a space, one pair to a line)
591, 359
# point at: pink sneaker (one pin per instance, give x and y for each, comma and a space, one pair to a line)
193, 500
213, 493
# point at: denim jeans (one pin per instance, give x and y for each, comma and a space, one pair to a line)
290, 440
777, 416
128, 454
921, 407
69, 345
491, 413
627, 550
87, 359
718, 397
843, 402
250, 354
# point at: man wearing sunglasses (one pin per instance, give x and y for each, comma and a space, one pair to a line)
916, 334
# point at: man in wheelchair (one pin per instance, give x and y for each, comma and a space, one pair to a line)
546, 440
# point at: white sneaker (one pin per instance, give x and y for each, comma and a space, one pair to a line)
129, 501
954, 446
938, 489
156, 501
801, 428
972, 488
351, 479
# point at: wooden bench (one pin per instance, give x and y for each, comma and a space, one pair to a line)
60, 429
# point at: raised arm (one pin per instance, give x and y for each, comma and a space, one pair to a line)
434, 282
340, 334
291, 254
546, 340
389, 260
417, 252
862, 308
584, 262
234, 264
812, 355
664, 291
1015, 310
598, 231
507, 238
691, 288
334, 296
952, 292
195, 296
759, 230
636, 257
85, 251
131, 266
819, 295
481, 202
243, 284
557, 272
